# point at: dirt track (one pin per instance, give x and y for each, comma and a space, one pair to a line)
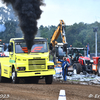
42, 91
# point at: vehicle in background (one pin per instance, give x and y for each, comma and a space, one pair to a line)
79, 60
1, 51
54, 46
59, 50
96, 65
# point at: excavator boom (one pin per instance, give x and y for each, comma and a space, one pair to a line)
60, 29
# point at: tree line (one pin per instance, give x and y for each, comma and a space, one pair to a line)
77, 35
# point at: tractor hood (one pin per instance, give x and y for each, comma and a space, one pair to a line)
84, 58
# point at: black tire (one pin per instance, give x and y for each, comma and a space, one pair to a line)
0, 74
78, 67
2, 79
14, 77
95, 73
98, 67
28, 80
49, 79
36, 80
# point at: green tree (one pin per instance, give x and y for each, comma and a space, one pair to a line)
9, 32
76, 35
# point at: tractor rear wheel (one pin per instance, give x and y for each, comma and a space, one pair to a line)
99, 67
77, 67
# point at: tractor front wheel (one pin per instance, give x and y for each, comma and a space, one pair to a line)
77, 67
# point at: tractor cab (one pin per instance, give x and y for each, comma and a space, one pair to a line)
75, 53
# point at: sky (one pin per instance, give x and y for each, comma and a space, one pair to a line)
71, 11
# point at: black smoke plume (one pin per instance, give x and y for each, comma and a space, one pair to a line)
28, 12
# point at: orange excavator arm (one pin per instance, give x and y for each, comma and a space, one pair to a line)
60, 29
